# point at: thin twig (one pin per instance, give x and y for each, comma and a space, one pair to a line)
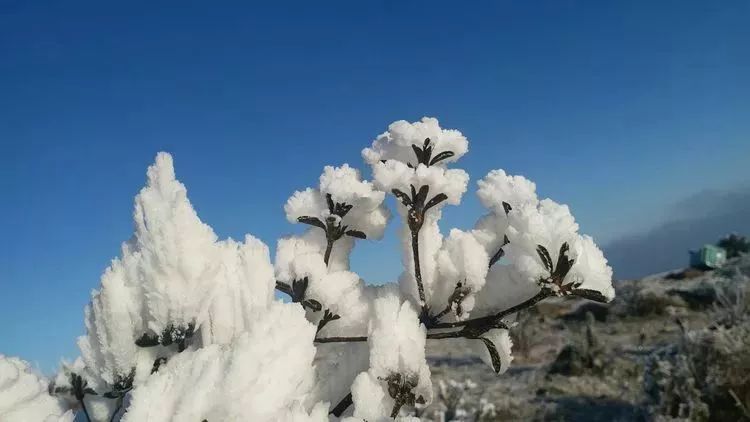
543, 294
329, 248
340, 339
417, 268
85, 411
344, 404
476, 322
442, 313
739, 403
117, 410
449, 334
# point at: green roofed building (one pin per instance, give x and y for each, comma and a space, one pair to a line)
708, 256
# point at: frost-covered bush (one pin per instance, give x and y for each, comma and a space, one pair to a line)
706, 377
185, 326
457, 406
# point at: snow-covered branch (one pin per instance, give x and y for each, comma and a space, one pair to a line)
185, 326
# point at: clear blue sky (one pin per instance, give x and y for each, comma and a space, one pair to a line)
615, 109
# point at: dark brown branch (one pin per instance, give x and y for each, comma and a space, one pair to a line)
117, 410
344, 404
448, 334
85, 411
329, 248
442, 313
481, 324
417, 268
340, 339
543, 294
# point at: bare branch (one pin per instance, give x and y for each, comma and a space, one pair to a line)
340, 339
344, 404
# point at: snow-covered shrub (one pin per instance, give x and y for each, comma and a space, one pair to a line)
456, 404
186, 327
705, 377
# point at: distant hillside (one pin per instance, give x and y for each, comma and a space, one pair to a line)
702, 218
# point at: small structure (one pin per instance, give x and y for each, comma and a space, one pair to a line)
708, 257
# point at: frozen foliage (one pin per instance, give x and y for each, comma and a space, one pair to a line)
496, 350
540, 239
172, 278
345, 208
453, 396
265, 374
399, 141
706, 376
24, 395
398, 373
186, 327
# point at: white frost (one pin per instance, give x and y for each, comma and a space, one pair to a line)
24, 395
264, 375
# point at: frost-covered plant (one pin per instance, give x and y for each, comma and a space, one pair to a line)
705, 377
583, 355
24, 395
732, 305
186, 326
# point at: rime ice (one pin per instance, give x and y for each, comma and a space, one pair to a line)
185, 326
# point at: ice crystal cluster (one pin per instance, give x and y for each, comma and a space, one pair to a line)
185, 326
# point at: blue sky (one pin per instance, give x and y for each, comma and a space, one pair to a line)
618, 110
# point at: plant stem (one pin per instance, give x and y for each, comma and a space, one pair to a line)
417, 269
544, 293
396, 408
329, 248
340, 339
117, 410
485, 320
85, 411
342, 406
450, 334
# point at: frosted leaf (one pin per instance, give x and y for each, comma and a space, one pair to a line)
265, 374
549, 224
343, 294
337, 364
397, 361
301, 256
397, 175
176, 250
498, 187
403, 157
396, 143
24, 395
500, 193
243, 288
591, 268
113, 322
353, 202
494, 348
371, 401
172, 278
462, 270
504, 288
397, 340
